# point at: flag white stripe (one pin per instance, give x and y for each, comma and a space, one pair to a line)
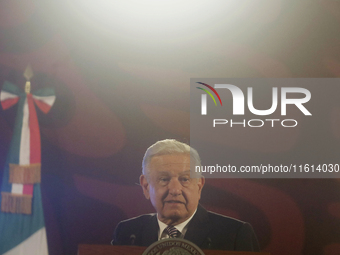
47, 100
17, 188
36, 244
24, 156
6, 95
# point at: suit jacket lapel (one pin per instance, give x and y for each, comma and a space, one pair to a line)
199, 227
150, 231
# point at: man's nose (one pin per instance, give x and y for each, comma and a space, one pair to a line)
175, 187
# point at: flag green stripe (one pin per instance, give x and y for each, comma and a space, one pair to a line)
14, 149
11, 88
16, 228
15, 143
45, 92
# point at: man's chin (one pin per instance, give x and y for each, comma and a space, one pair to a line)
175, 215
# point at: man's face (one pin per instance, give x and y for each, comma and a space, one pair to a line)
168, 185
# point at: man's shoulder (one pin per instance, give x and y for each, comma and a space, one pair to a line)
139, 220
131, 231
214, 217
225, 232
219, 221
222, 219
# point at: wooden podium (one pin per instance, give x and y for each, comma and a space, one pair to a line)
87, 249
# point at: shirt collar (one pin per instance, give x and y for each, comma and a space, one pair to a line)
180, 227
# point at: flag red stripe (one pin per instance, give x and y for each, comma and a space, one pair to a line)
35, 144
45, 108
7, 103
28, 189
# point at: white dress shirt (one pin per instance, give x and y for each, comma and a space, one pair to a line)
182, 227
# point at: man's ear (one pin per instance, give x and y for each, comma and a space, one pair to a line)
145, 186
200, 183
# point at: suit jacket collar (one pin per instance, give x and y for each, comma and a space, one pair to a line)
199, 227
150, 231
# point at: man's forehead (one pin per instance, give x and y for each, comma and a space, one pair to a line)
169, 173
171, 159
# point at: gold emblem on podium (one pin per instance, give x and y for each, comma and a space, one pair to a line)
173, 246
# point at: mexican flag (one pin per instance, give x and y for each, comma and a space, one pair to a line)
22, 225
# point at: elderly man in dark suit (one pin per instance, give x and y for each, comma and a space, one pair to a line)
175, 195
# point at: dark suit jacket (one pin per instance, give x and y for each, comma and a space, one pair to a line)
207, 230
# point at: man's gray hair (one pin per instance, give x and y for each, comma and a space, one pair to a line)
167, 147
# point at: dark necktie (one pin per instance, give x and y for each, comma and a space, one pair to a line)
172, 232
